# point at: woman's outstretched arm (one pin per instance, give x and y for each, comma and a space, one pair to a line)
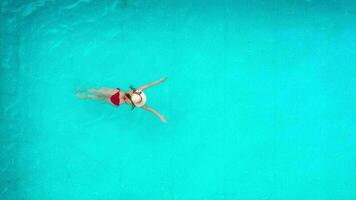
152, 84
154, 112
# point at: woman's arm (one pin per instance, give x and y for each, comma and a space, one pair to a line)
152, 84
154, 112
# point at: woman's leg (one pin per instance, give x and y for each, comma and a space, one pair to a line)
104, 92
90, 96
94, 91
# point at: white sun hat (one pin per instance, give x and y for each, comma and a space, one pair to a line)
138, 98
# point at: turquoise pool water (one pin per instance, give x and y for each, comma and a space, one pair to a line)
260, 100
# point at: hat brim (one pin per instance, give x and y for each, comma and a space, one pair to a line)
142, 102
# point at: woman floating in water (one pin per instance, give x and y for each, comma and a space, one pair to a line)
134, 97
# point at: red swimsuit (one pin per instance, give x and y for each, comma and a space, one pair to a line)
115, 98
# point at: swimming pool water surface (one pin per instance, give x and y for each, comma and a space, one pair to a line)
259, 100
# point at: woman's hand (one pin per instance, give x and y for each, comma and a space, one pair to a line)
163, 119
163, 79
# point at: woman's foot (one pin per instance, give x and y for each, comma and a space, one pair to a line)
80, 95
